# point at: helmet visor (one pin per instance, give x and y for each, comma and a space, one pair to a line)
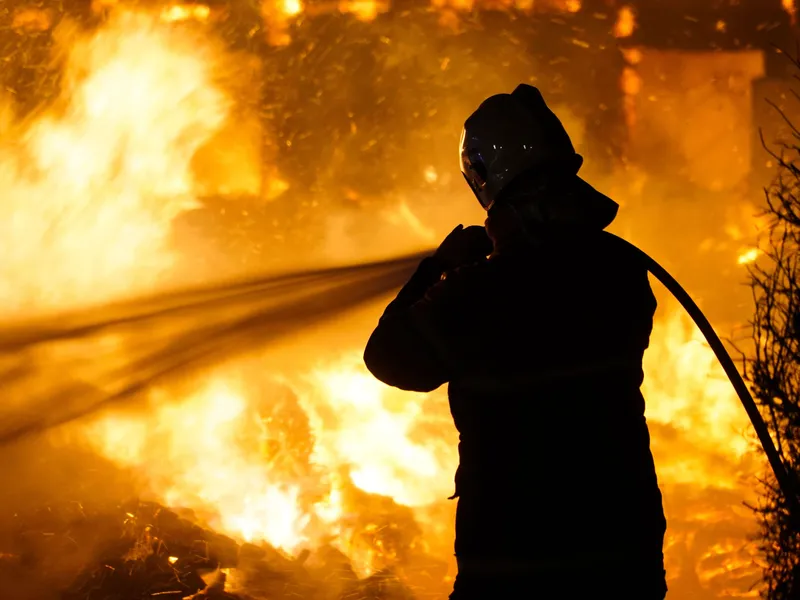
482, 198
474, 171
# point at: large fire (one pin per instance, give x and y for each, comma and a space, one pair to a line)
90, 191
272, 466
91, 186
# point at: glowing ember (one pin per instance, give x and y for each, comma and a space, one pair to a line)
291, 7
626, 22
460, 5
430, 174
365, 10
185, 12
631, 82
748, 256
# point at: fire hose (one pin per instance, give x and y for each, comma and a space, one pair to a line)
786, 481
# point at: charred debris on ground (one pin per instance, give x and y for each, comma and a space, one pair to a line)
143, 550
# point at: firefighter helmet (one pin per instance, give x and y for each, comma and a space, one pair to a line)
511, 135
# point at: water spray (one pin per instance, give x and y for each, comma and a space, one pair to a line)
171, 334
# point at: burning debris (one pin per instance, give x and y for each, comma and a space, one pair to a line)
124, 165
154, 552
144, 550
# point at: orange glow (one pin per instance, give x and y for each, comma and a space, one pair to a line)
748, 256
291, 7
790, 7
275, 187
185, 12
98, 6
364, 10
539, 6
631, 82
631, 85
633, 56
626, 22
293, 454
430, 174
32, 19
459, 5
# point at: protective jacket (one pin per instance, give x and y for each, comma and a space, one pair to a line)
542, 349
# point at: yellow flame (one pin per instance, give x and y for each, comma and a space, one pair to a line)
211, 452
374, 434
191, 454
687, 390
90, 188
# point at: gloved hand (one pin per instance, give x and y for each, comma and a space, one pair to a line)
463, 246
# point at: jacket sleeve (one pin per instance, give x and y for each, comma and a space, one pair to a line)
405, 351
